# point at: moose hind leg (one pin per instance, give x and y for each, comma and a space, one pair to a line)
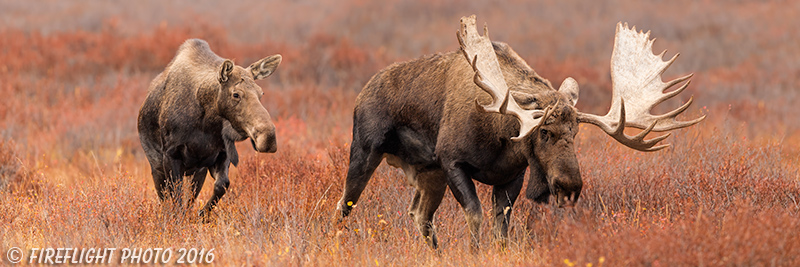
431, 186
174, 181
363, 162
159, 181
503, 198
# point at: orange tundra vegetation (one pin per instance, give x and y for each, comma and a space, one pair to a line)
72, 172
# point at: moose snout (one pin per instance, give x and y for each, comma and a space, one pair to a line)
566, 188
263, 139
567, 199
566, 182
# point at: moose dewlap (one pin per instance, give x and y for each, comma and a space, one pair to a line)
483, 114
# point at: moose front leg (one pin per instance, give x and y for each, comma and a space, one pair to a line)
464, 191
220, 173
503, 198
363, 162
198, 179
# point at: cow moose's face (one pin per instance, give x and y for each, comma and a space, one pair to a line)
240, 101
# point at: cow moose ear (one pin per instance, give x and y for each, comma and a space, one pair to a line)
265, 67
225, 71
569, 87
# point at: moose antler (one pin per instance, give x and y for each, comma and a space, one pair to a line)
489, 77
637, 88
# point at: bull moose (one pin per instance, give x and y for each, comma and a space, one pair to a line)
195, 111
481, 113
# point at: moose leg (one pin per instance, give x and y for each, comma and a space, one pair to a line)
503, 198
431, 186
219, 172
173, 164
412, 209
464, 191
197, 183
363, 161
160, 181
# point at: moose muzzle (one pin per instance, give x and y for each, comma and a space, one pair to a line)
263, 138
565, 181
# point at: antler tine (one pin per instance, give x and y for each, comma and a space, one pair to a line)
670, 121
489, 77
637, 86
510, 106
526, 117
472, 45
636, 142
675, 92
489, 88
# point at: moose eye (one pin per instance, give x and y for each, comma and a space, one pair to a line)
545, 135
236, 96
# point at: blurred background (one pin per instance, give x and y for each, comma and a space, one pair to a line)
75, 72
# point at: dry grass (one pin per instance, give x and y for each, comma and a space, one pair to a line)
72, 172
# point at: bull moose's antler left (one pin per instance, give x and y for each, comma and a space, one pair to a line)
479, 52
637, 88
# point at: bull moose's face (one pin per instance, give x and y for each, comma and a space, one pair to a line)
240, 101
553, 164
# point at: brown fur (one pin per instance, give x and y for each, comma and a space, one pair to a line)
195, 110
422, 116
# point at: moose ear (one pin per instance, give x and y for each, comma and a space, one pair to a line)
569, 87
225, 70
525, 100
266, 66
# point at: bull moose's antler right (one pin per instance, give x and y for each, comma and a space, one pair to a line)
637, 88
479, 52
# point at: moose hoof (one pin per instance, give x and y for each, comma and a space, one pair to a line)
205, 216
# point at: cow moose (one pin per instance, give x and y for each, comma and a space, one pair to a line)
482, 113
195, 111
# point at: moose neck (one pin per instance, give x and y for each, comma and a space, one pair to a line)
208, 96
507, 153
518, 152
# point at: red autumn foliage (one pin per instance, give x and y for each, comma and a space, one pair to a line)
72, 172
